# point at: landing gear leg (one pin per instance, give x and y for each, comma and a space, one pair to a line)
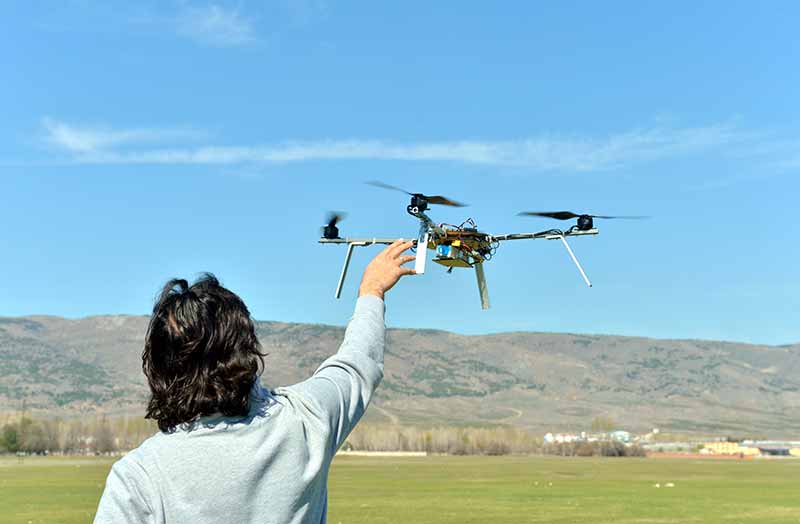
571, 254
482, 288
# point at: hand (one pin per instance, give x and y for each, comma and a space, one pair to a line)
386, 269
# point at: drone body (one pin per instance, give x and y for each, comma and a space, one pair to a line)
462, 246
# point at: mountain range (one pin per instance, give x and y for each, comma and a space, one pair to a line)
538, 381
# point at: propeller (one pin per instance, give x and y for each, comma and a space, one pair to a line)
334, 217
330, 231
585, 222
430, 199
566, 215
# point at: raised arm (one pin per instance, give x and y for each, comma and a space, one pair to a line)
338, 393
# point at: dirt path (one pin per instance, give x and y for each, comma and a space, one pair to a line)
392, 418
517, 414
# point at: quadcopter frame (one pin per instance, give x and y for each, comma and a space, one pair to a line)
472, 247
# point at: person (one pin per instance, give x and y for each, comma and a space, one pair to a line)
228, 449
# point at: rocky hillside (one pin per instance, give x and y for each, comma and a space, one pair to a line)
535, 380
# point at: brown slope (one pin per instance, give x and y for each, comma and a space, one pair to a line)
537, 380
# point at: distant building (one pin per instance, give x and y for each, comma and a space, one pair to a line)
775, 451
567, 438
670, 447
561, 438
730, 448
620, 436
780, 448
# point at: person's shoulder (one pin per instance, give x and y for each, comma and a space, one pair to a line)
146, 452
154, 441
294, 402
129, 469
284, 396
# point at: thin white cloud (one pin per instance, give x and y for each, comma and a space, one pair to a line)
216, 26
543, 153
88, 140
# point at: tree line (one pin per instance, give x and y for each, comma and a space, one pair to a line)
501, 440
101, 435
85, 435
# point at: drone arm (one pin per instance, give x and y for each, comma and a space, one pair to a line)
547, 235
363, 241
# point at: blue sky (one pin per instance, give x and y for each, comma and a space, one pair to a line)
141, 142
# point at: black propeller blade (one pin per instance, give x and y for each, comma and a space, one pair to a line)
432, 199
625, 217
558, 215
334, 217
566, 215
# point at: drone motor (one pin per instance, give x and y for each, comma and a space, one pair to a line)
330, 231
419, 204
585, 222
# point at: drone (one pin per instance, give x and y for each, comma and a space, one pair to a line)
460, 246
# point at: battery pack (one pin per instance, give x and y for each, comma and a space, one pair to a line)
451, 256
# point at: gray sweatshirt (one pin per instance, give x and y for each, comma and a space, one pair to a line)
270, 466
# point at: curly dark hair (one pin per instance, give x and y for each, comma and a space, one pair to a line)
201, 354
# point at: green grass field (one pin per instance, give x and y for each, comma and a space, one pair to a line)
472, 489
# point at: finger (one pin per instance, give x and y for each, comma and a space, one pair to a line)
389, 250
407, 271
394, 248
398, 247
407, 258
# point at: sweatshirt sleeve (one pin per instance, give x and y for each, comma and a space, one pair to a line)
125, 497
338, 392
